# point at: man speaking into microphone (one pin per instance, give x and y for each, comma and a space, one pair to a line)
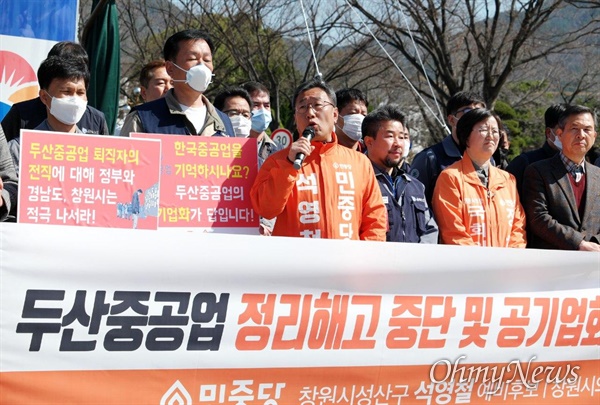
317, 188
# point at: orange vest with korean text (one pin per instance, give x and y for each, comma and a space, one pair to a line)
334, 195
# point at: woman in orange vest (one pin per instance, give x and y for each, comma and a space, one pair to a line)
474, 202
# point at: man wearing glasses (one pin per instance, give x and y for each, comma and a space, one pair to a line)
429, 163
334, 193
236, 102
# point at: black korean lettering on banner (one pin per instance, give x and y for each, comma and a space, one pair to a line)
127, 337
129, 319
204, 308
30, 311
168, 338
79, 314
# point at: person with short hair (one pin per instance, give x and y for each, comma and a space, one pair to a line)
184, 110
29, 114
63, 91
237, 104
261, 119
429, 163
409, 217
474, 202
333, 194
154, 80
69, 49
561, 193
550, 147
353, 106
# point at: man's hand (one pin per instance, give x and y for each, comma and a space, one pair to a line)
589, 246
302, 145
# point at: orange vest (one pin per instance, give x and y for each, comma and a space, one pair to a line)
468, 213
334, 195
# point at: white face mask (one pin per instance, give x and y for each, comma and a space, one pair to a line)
241, 126
556, 141
406, 149
198, 77
67, 110
352, 126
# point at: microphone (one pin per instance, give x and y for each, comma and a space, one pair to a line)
308, 133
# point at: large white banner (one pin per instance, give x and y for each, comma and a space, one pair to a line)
121, 316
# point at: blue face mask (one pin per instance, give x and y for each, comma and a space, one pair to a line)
261, 120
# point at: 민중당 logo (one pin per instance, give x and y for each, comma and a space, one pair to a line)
18, 81
176, 394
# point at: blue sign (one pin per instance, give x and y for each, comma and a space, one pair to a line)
53, 20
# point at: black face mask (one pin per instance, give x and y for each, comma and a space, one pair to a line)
503, 152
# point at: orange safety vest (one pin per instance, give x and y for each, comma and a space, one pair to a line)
334, 195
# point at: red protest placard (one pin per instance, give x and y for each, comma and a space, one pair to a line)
206, 181
87, 180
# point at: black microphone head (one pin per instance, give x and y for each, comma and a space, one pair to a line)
309, 132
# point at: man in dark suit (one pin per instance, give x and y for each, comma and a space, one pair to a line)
562, 194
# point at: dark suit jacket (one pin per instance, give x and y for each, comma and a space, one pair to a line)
518, 165
551, 210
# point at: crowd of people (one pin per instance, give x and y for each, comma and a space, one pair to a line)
346, 174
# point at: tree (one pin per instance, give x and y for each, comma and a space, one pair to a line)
256, 40
470, 44
528, 53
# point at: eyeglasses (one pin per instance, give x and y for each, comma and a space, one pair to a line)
233, 113
483, 131
317, 106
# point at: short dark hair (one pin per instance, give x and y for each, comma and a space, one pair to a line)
462, 99
252, 87
574, 110
346, 96
171, 47
311, 84
68, 49
57, 67
221, 98
147, 72
553, 113
465, 125
372, 122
